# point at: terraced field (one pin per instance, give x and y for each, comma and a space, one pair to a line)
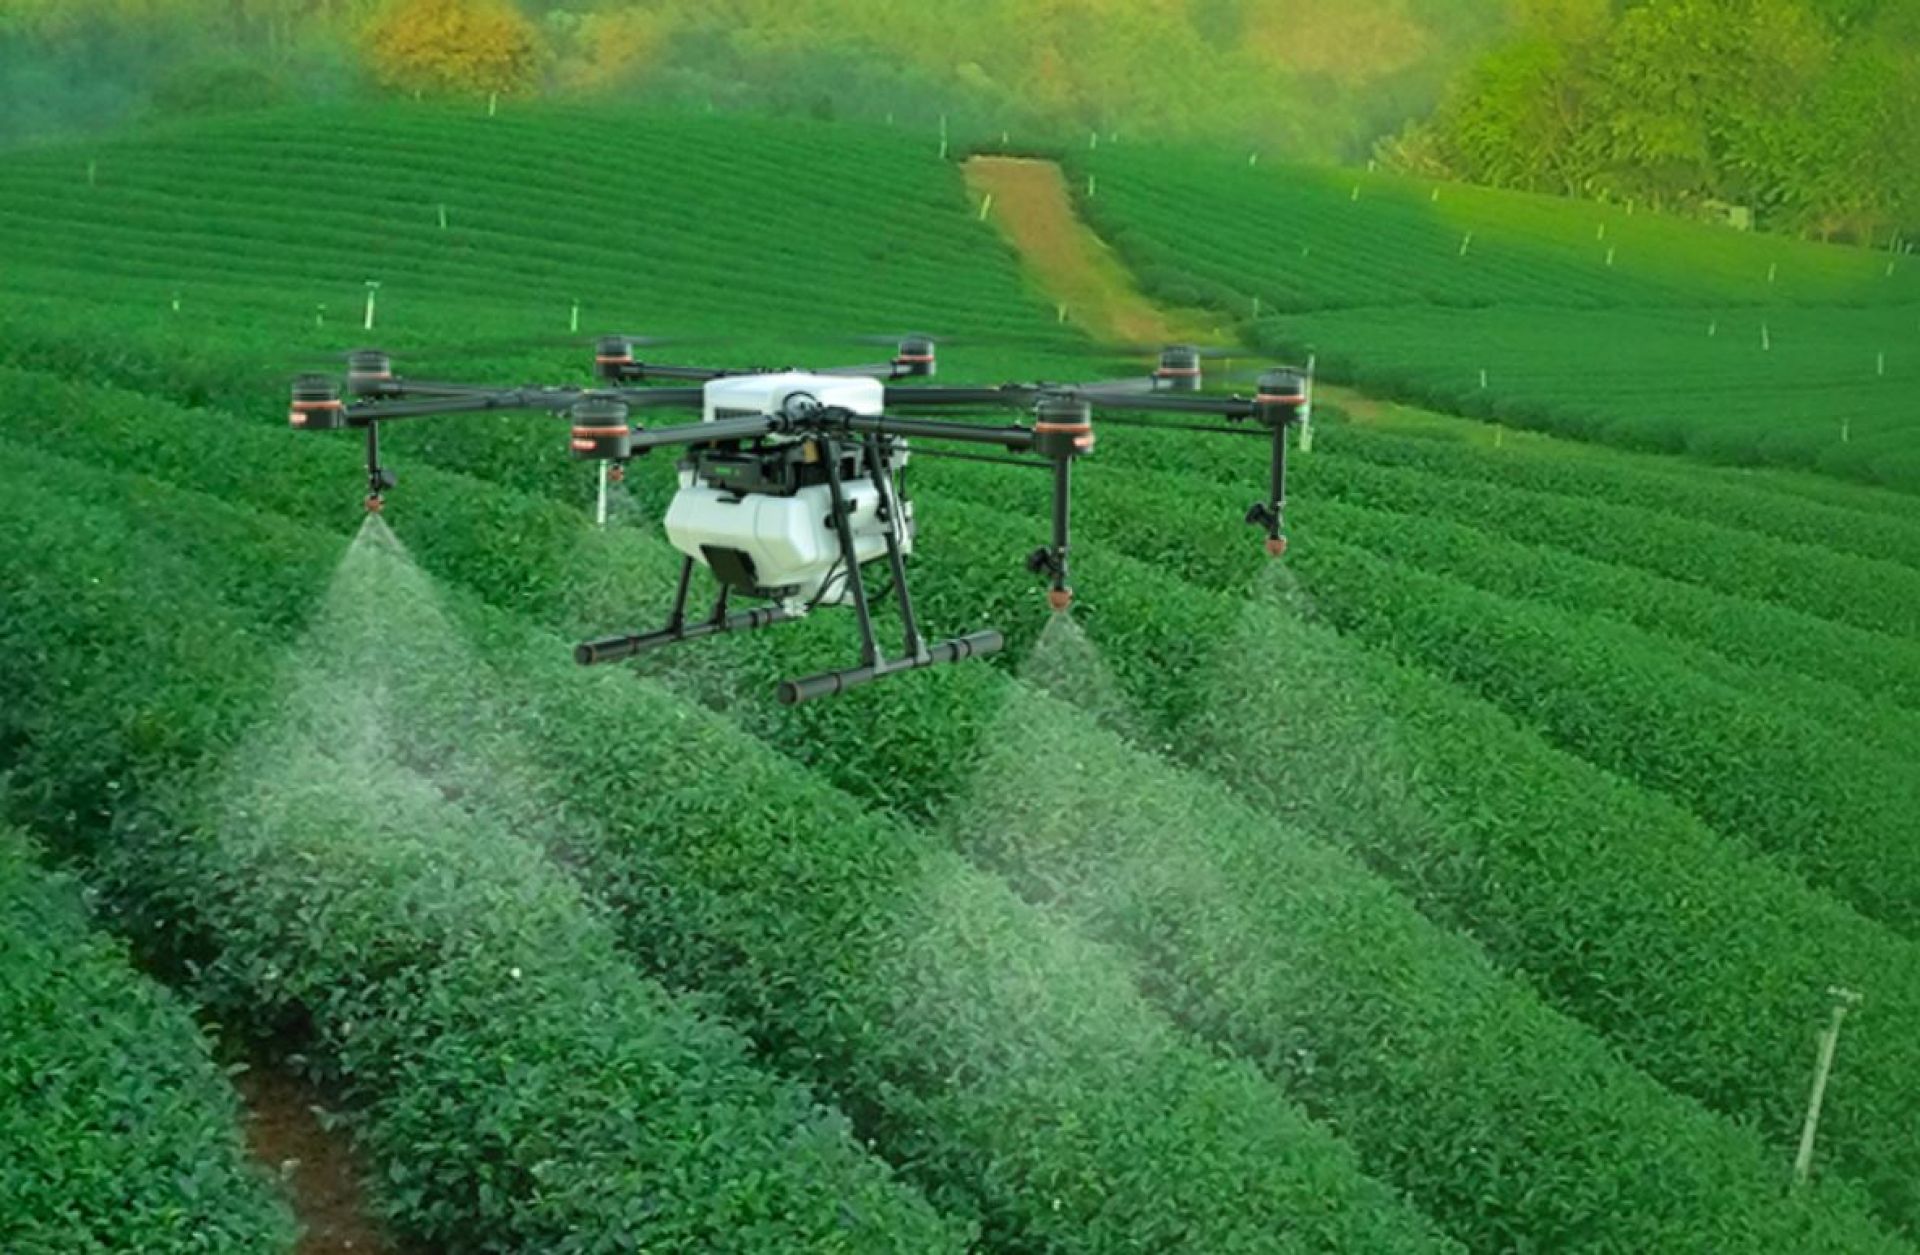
1476, 881
1581, 320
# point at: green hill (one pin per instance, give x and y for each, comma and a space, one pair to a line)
1505, 841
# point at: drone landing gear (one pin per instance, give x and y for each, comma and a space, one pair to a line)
917, 652
620, 648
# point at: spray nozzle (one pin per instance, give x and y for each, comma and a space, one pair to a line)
1059, 599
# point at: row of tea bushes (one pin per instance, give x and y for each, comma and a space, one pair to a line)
121, 1131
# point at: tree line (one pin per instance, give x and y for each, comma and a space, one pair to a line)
1802, 115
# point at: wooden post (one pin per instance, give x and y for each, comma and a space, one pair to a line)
1843, 1000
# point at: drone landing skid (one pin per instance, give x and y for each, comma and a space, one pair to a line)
827, 683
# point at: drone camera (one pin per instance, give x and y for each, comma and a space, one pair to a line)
916, 357
600, 429
611, 357
1280, 398
1179, 369
368, 372
316, 405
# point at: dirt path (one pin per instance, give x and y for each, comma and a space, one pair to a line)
1071, 264
1078, 269
321, 1174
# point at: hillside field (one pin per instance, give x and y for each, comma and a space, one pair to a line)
1475, 879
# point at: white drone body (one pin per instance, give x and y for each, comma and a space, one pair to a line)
764, 520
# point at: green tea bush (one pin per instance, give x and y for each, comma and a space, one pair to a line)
1840, 814
1010, 1068
1246, 966
516, 1084
121, 1132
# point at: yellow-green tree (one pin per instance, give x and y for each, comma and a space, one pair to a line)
442, 46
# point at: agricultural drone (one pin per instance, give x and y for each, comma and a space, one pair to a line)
790, 485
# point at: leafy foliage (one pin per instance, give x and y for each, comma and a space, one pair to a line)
121, 1132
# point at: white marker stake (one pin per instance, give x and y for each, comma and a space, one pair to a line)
1466, 243
443, 216
1306, 411
1880, 365
1713, 329
1600, 232
1766, 338
1435, 198
1499, 437
986, 207
1093, 185
1093, 141
943, 137
1773, 272
573, 319
320, 315
1846, 431
1610, 256
1843, 999
493, 103
1253, 159
1356, 192
1063, 313
1006, 139
372, 287
1483, 379
1256, 307
600, 515
176, 302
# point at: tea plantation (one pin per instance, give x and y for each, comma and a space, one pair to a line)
1583, 320
1474, 881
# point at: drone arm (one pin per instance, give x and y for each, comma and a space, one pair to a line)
1013, 396
368, 412
1014, 439
640, 372
717, 432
